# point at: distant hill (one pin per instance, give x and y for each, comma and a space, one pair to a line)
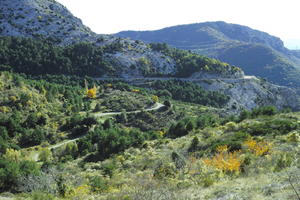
256, 52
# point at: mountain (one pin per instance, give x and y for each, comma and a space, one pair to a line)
256, 52
57, 29
43, 37
49, 19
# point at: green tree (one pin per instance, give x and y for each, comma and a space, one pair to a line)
194, 145
108, 124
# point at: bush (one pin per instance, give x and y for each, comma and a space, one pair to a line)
108, 124
177, 130
245, 114
190, 92
108, 169
183, 127
178, 160
98, 184
234, 142
113, 140
194, 145
167, 103
271, 127
225, 161
164, 170
33, 137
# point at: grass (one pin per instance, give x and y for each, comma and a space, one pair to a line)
259, 180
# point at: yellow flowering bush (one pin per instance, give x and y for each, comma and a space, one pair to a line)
12, 155
91, 93
155, 98
258, 148
4, 109
80, 191
135, 90
225, 161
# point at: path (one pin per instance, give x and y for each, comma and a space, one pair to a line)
155, 107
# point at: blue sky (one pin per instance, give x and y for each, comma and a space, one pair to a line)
277, 17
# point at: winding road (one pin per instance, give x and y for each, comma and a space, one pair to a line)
35, 155
245, 77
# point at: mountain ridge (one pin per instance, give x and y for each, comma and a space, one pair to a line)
218, 28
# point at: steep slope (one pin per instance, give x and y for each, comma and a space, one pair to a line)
49, 19
256, 52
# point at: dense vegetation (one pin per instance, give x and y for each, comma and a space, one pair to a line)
36, 57
40, 57
189, 92
28, 109
112, 140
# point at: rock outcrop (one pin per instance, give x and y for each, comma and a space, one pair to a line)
250, 92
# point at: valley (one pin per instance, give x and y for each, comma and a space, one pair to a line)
90, 116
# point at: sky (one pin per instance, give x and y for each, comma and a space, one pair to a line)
276, 17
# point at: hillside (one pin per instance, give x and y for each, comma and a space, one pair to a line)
55, 144
106, 55
53, 112
256, 52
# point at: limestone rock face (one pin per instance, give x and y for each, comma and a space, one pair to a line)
251, 92
47, 18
